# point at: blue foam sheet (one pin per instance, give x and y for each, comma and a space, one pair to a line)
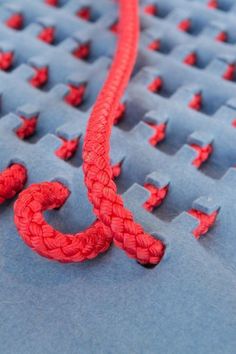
112, 305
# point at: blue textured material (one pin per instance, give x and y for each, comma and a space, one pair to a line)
112, 305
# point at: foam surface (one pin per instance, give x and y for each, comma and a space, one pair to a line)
113, 305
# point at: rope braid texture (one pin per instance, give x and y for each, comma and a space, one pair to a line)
115, 222
12, 181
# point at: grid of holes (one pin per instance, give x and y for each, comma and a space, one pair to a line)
165, 92
199, 18
23, 59
85, 105
169, 39
221, 5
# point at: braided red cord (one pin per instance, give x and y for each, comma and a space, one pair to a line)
114, 218
12, 181
102, 191
47, 241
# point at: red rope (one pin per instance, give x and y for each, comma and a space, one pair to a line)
114, 218
43, 238
12, 181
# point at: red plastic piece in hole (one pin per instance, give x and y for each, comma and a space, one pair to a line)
155, 45
114, 27
229, 73
67, 149
190, 59
212, 4
234, 123
12, 181
203, 153
40, 77
82, 52
150, 10
75, 95
222, 37
155, 85
184, 25
84, 13
196, 102
119, 113
27, 128
205, 221
156, 198
51, 2
6, 59
116, 170
159, 135
47, 35
15, 21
